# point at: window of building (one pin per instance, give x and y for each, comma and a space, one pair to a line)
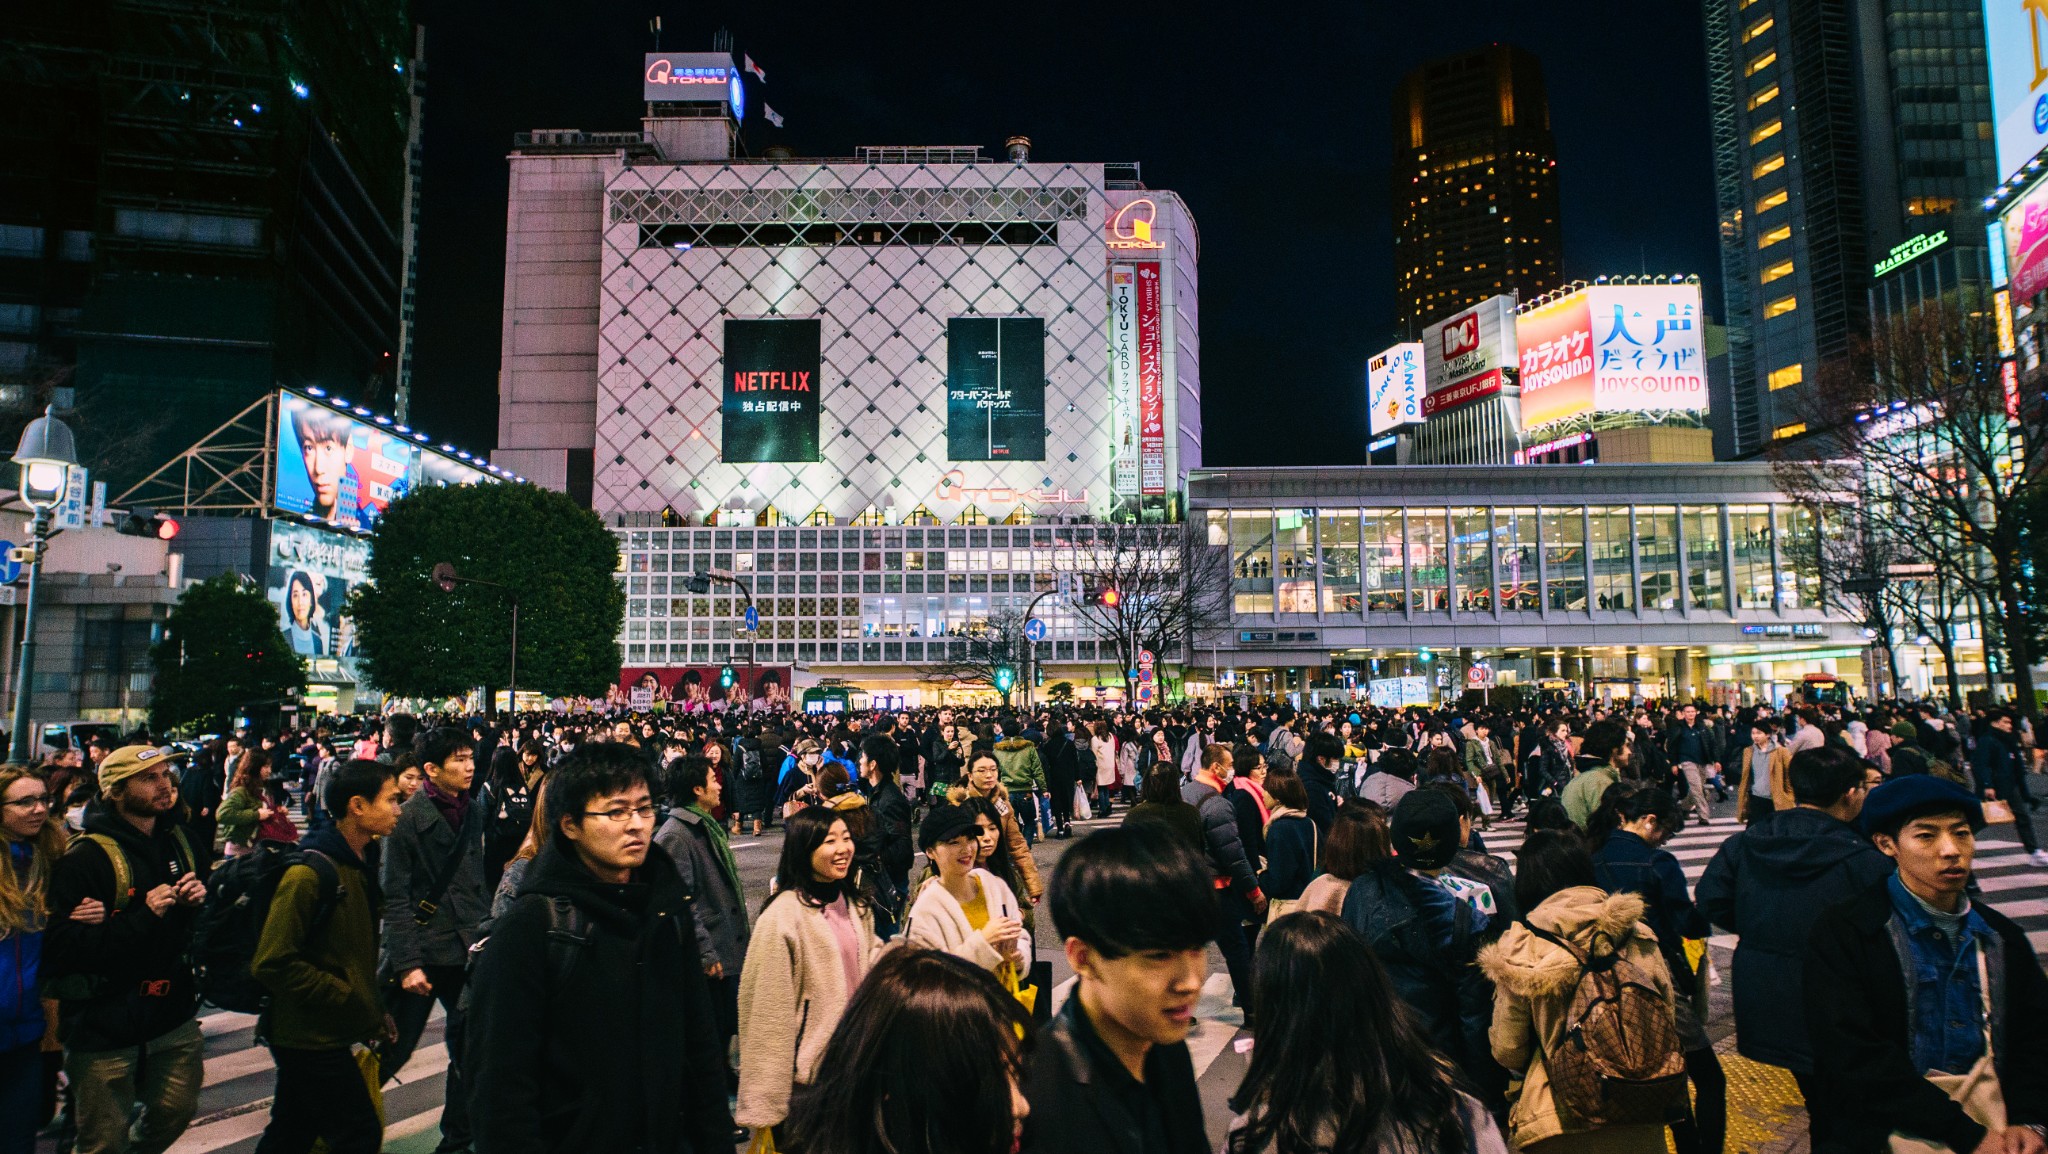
1611, 547
1780, 307
1704, 558
1295, 560
1338, 533
1930, 205
1251, 561
1784, 432
1380, 561
1781, 233
1764, 132
1758, 29
1760, 63
1788, 376
1762, 96
1772, 199
1430, 582
1767, 166
1657, 550
1776, 272
1749, 538
1799, 556
1564, 557
1515, 542
1472, 539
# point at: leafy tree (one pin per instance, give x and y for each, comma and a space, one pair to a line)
555, 556
1060, 691
221, 652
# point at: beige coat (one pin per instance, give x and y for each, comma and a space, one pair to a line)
1326, 893
1533, 982
1781, 782
937, 922
792, 991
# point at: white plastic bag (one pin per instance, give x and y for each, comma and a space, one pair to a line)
1485, 801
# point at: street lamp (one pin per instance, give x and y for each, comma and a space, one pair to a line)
444, 577
45, 456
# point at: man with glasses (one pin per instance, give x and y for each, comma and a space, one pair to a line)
593, 1023
123, 900
437, 893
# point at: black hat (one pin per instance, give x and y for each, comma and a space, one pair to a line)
1891, 805
944, 823
1425, 829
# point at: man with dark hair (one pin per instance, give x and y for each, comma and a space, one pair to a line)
1112, 1071
1769, 883
401, 730
1234, 876
698, 845
1975, 1003
1999, 771
1688, 743
1318, 770
1601, 757
437, 894
318, 958
592, 1024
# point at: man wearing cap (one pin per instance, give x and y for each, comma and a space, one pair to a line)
122, 904
1888, 1050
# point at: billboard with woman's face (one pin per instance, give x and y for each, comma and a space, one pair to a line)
696, 688
310, 575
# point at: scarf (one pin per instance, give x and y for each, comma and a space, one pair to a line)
1258, 793
721, 843
1280, 811
453, 807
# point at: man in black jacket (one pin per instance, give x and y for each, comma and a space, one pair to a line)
117, 954
1879, 1039
891, 812
1236, 876
1769, 883
1112, 1071
1318, 770
592, 1027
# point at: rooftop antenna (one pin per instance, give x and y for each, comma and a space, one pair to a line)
654, 26
721, 40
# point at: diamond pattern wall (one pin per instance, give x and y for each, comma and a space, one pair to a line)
885, 306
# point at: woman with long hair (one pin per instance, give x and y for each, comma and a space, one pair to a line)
965, 910
34, 843
813, 943
928, 1059
984, 780
245, 808
1339, 1066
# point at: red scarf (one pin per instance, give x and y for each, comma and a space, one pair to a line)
1258, 793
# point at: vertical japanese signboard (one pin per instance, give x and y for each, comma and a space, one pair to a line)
770, 410
1123, 375
1556, 352
995, 389
1151, 383
1394, 388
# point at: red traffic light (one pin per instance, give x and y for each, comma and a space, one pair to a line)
166, 528
1111, 598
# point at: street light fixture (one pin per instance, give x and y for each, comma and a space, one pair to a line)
445, 578
45, 456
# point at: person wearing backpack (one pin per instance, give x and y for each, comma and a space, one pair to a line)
754, 792
591, 1024
437, 893
1578, 944
317, 957
116, 953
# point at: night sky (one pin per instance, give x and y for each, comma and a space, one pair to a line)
1270, 121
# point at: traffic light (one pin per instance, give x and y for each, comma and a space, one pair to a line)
697, 583
1005, 678
725, 677
1109, 597
147, 523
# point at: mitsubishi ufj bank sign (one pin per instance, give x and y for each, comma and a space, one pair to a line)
1476, 341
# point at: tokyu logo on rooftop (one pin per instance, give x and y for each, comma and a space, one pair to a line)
1131, 227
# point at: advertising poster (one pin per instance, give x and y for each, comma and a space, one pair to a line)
695, 688
2019, 84
438, 470
1123, 375
333, 467
1394, 388
770, 410
995, 389
1556, 344
1463, 393
2025, 225
310, 575
1151, 383
1476, 341
1647, 351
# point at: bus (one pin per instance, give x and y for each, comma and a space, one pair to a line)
1824, 689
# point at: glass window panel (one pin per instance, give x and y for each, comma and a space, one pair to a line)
1472, 539
1799, 558
1381, 561
1339, 536
1428, 557
1564, 557
1704, 557
1251, 561
1295, 552
1515, 541
1657, 549
1749, 536
1613, 572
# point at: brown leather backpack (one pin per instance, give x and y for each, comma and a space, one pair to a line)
1618, 1060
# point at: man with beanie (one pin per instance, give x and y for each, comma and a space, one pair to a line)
123, 900
1888, 1048
1424, 924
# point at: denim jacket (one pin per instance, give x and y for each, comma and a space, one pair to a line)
1947, 1005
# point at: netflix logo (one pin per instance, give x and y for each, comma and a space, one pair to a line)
754, 382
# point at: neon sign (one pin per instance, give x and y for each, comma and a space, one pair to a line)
951, 488
1131, 227
1911, 250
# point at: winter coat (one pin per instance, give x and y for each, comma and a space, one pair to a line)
1290, 854
1182, 820
608, 1045
1062, 765
937, 921
1251, 820
1995, 765
137, 961
1020, 851
1326, 893
21, 956
891, 826
793, 990
324, 992
1769, 884
1321, 786
1859, 1021
238, 818
1781, 781
1021, 766
1227, 860
1582, 796
1105, 751
1485, 1134
415, 855
1533, 981
1075, 1105
1628, 864
1424, 938
753, 794
720, 910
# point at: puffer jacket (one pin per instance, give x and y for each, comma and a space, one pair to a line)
1533, 981
1425, 939
1021, 766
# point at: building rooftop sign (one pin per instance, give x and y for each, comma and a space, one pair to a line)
1913, 249
692, 76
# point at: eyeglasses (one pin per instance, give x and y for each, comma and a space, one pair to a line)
619, 815
39, 801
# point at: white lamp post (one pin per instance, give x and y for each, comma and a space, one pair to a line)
45, 456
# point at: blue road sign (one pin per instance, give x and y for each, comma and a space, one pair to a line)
753, 619
10, 570
1034, 629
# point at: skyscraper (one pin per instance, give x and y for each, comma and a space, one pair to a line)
1475, 185
1841, 132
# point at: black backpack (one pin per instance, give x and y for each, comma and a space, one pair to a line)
750, 762
238, 898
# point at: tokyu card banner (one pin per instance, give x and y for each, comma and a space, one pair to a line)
310, 575
1123, 375
1394, 388
2024, 225
770, 410
1151, 383
995, 389
1612, 348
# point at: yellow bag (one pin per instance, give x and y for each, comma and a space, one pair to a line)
1027, 995
366, 1062
764, 1141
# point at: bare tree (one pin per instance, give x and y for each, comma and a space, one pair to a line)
974, 656
1919, 421
1170, 586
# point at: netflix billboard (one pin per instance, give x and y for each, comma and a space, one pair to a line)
770, 401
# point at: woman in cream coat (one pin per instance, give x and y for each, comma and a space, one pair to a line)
964, 911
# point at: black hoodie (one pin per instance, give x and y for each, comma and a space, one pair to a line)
1769, 884
611, 1045
136, 962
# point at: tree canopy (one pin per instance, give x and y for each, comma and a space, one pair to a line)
555, 556
222, 652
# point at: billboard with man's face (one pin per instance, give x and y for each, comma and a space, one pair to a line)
335, 468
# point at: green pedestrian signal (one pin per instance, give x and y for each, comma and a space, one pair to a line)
725, 677
1005, 678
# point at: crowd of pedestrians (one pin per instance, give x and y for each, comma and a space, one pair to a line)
566, 890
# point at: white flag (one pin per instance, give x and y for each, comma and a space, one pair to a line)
754, 68
774, 117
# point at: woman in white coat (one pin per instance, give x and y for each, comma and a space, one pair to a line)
965, 911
